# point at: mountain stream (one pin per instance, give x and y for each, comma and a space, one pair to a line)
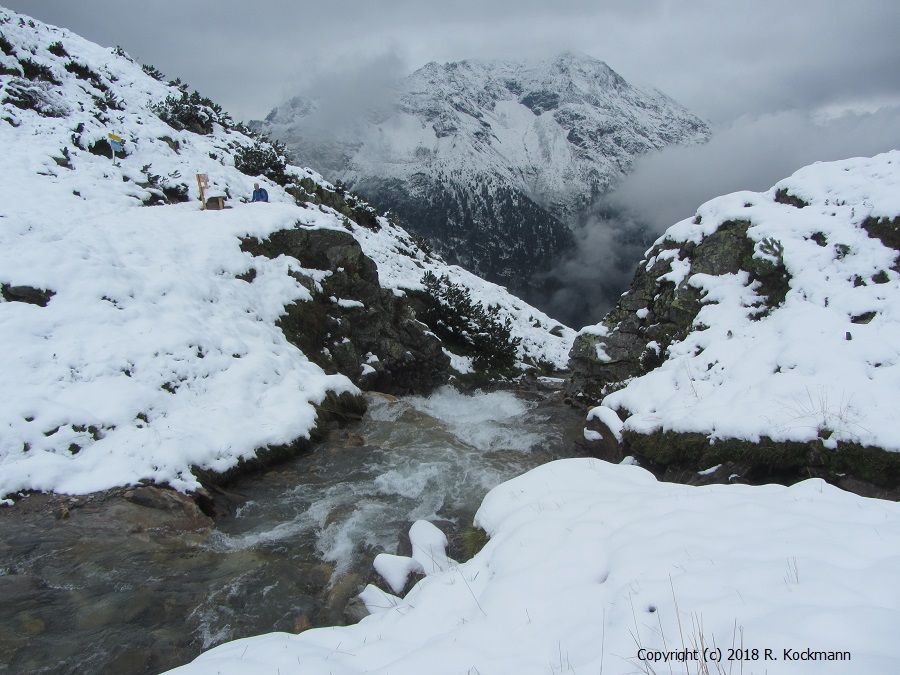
100, 584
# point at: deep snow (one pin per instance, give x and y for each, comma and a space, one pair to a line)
826, 363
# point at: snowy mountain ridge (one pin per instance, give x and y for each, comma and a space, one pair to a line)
560, 131
141, 341
491, 160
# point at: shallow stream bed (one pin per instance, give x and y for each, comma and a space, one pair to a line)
122, 582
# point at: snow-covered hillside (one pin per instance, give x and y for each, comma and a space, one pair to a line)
790, 309
136, 346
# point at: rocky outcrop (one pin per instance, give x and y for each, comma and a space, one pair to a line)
757, 340
658, 309
352, 325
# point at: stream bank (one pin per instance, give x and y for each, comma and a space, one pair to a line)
140, 580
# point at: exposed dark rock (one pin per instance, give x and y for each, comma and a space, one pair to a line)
27, 294
607, 448
352, 325
540, 101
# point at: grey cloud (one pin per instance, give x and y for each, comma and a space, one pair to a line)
720, 59
752, 153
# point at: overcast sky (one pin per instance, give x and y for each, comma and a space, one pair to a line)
783, 82
720, 59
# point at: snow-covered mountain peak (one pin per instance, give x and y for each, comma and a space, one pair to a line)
492, 160
560, 130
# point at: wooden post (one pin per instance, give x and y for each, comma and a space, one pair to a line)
202, 183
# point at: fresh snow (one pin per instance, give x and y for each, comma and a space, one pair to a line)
806, 370
557, 129
152, 356
589, 563
608, 418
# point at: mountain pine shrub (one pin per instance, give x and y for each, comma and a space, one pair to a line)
192, 112
263, 158
466, 327
57, 49
6, 46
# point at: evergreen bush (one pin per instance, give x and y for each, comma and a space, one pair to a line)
192, 112
466, 326
57, 49
263, 158
153, 72
83, 72
6, 46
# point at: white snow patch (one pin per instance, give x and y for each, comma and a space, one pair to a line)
709, 471
591, 435
582, 548
609, 418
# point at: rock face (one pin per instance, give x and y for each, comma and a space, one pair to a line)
658, 309
491, 160
352, 325
761, 335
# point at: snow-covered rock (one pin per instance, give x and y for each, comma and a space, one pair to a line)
768, 316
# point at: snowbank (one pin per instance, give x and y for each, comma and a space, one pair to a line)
593, 567
154, 350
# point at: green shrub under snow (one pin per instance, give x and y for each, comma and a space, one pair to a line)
465, 326
192, 112
263, 158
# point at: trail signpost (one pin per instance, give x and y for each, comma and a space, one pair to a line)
116, 144
202, 183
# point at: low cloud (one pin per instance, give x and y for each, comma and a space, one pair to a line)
351, 92
748, 154
668, 186
584, 285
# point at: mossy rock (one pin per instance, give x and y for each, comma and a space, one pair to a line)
696, 450
874, 465
337, 337
474, 539
671, 311
767, 460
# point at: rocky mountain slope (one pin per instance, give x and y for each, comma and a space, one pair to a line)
764, 331
492, 160
146, 339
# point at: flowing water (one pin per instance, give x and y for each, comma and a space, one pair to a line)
99, 592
